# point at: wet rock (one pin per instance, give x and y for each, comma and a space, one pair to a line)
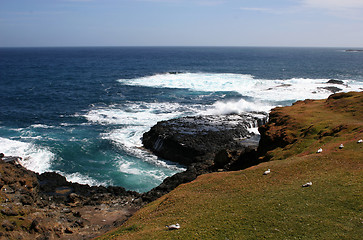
333, 81
333, 89
204, 144
10, 159
198, 139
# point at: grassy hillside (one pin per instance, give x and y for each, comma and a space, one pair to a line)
249, 205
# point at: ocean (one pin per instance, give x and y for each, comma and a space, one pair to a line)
82, 111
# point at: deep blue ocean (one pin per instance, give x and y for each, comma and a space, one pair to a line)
82, 111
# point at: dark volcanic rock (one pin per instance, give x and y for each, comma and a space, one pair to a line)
333, 89
205, 144
333, 81
190, 140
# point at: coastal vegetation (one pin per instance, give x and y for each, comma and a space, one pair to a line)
246, 204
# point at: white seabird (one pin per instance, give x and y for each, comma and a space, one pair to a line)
308, 184
360, 141
341, 146
267, 172
173, 226
319, 150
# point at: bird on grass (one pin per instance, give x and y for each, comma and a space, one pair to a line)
308, 184
266, 172
341, 146
360, 141
319, 150
173, 226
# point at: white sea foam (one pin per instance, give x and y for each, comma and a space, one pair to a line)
134, 120
41, 126
82, 179
131, 168
131, 120
129, 139
125, 167
35, 158
247, 85
137, 113
237, 107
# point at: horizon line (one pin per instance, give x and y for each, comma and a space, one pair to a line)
180, 46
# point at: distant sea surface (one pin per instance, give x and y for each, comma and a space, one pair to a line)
82, 111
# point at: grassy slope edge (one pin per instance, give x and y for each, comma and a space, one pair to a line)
249, 205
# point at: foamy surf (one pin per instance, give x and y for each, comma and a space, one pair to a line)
82, 179
247, 85
258, 95
132, 120
129, 121
35, 158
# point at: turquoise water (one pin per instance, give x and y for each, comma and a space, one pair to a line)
82, 111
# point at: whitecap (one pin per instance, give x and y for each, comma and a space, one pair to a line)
237, 107
41, 126
82, 179
35, 158
156, 173
247, 85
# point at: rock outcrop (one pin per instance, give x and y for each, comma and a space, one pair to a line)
204, 144
47, 206
191, 140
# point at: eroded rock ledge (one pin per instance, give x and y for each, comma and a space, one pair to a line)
204, 144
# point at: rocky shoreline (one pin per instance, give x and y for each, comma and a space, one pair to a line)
47, 206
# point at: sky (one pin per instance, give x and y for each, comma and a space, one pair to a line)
290, 23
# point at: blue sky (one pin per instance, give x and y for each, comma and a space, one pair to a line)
318, 23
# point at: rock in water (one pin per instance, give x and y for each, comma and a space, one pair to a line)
334, 81
189, 140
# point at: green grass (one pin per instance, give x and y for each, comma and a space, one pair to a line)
248, 205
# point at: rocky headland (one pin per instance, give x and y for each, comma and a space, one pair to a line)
46, 206
306, 194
